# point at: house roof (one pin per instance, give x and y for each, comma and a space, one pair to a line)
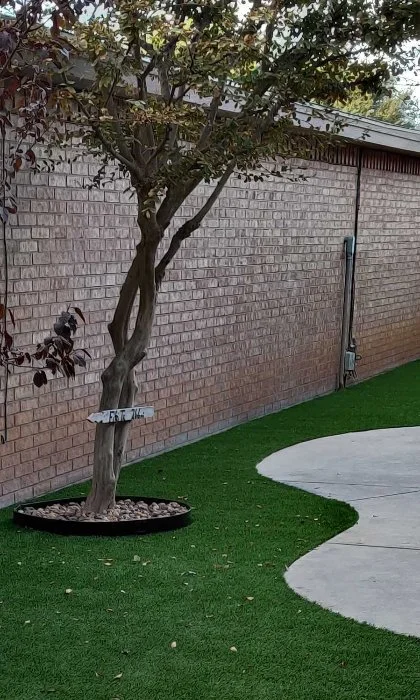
361, 130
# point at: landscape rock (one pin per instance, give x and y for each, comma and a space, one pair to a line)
124, 510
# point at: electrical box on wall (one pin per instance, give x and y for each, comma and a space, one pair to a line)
349, 361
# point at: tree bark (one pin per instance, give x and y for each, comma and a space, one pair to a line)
127, 398
118, 380
102, 494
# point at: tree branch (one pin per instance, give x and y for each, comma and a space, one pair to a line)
117, 75
118, 328
167, 143
165, 87
211, 118
130, 164
190, 226
120, 138
175, 195
135, 349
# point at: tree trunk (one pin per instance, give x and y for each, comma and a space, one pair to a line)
118, 380
102, 495
127, 398
119, 390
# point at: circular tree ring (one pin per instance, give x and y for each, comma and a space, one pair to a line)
103, 528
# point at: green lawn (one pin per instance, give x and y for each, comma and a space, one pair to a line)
111, 636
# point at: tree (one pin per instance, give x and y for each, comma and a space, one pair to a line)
391, 104
189, 91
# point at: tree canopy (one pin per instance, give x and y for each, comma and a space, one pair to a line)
392, 104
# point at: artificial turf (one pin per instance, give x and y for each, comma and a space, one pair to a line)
215, 585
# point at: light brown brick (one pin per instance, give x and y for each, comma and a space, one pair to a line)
249, 314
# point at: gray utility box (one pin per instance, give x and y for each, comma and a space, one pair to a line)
349, 361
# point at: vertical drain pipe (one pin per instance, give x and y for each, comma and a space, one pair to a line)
350, 247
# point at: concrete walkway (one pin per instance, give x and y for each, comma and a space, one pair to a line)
370, 572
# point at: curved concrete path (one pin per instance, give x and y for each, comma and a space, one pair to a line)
370, 572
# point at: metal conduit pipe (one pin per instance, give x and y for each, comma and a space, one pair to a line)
348, 356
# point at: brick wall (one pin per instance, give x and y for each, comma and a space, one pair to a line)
388, 271
249, 315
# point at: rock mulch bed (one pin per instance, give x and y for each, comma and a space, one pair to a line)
125, 509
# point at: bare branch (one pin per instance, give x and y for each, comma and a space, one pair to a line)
269, 33
175, 195
118, 328
143, 133
135, 349
190, 226
117, 75
211, 118
162, 70
129, 163
156, 58
182, 92
119, 135
167, 145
